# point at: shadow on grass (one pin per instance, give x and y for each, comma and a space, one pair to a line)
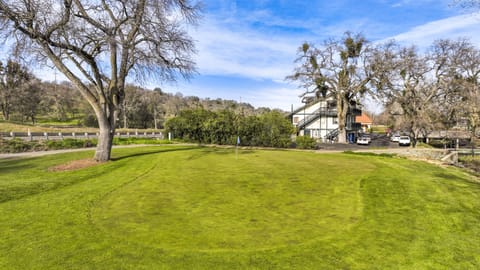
12, 165
220, 151
449, 176
158, 151
388, 155
21, 188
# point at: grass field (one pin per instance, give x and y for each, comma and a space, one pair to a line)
179, 207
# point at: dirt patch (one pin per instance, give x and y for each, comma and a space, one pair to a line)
74, 165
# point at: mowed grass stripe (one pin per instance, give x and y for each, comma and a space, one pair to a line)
199, 208
222, 202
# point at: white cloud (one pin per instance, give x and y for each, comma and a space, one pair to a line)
229, 45
280, 98
403, 3
237, 50
449, 28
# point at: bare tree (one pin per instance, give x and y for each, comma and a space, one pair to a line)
433, 89
63, 100
409, 82
461, 65
156, 105
339, 68
96, 44
467, 4
13, 76
30, 100
131, 103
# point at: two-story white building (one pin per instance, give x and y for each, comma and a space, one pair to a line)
318, 119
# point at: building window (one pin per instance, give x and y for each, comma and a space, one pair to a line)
335, 120
295, 119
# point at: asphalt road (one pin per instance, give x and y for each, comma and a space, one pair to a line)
378, 141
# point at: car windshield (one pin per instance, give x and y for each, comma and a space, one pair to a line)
404, 138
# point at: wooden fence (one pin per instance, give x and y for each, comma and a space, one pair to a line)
38, 136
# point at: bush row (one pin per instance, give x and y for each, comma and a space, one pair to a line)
270, 129
471, 162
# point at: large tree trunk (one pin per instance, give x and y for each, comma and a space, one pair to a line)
474, 119
106, 125
155, 117
473, 134
6, 111
342, 109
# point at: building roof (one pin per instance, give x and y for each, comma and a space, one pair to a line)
363, 118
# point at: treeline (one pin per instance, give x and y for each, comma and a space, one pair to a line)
225, 127
25, 98
433, 90
422, 90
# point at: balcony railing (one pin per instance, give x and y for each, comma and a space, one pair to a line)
315, 114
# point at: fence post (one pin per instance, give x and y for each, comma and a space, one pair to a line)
73, 135
86, 135
60, 135
45, 134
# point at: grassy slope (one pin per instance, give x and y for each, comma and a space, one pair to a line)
184, 208
15, 127
56, 127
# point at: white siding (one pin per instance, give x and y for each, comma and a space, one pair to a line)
318, 128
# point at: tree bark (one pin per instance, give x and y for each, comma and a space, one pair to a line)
155, 117
342, 109
6, 110
105, 138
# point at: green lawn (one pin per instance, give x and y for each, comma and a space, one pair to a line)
179, 207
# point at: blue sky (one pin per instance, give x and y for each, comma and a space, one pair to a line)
246, 48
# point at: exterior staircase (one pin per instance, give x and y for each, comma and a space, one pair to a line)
314, 116
332, 135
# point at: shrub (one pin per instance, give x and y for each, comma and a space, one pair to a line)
472, 162
14, 146
19, 145
68, 144
270, 129
90, 120
305, 142
132, 140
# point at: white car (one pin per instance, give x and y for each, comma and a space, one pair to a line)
363, 140
404, 140
395, 138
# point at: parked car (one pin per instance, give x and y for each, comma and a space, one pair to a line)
404, 140
395, 137
368, 137
364, 140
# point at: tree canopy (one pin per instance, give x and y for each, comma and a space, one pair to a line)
339, 68
97, 44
